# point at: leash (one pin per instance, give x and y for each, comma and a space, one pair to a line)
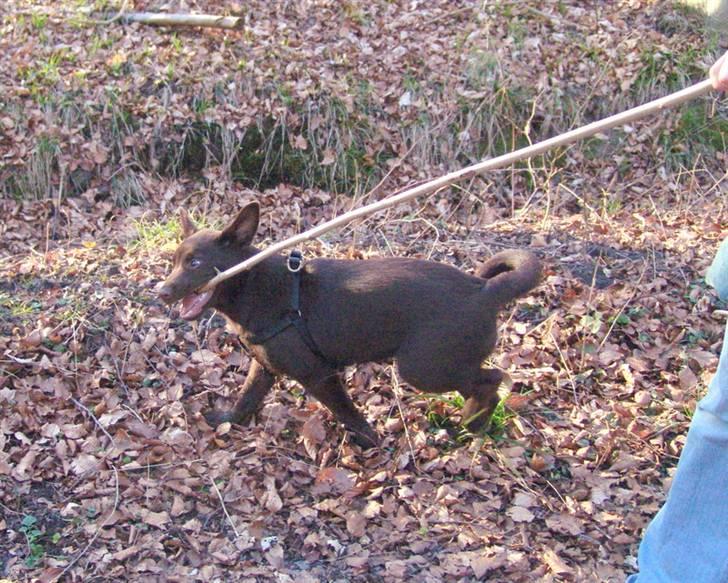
293, 316
569, 137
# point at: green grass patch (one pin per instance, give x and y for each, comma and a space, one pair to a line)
152, 234
156, 235
18, 309
73, 308
38, 21
499, 421
441, 408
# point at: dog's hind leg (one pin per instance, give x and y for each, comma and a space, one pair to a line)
481, 398
257, 385
328, 389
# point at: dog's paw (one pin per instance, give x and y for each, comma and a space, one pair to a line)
366, 440
478, 423
476, 416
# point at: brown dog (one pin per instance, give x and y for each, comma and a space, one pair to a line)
437, 322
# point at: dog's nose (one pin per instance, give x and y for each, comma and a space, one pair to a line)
165, 294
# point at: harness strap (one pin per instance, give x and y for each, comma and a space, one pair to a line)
293, 317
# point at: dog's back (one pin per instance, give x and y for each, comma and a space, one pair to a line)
367, 310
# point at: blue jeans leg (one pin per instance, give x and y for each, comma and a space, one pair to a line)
687, 541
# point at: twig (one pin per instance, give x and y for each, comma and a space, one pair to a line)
557, 493
14, 358
98, 424
395, 390
148, 467
657, 432
566, 368
160, 19
98, 532
506, 160
224, 508
133, 412
9, 509
113, 18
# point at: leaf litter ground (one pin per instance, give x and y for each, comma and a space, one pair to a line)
108, 470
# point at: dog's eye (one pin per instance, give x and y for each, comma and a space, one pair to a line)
195, 263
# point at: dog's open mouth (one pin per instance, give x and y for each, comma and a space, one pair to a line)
194, 304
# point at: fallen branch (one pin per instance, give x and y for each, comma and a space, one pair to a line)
160, 19
569, 137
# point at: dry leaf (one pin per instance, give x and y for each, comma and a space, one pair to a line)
84, 463
178, 506
335, 479
156, 519
555, 563
275, 557
687, 379
484, 563
313, 433
271, 500
520, 514
300, 143
22, 468
329, 157
356, 523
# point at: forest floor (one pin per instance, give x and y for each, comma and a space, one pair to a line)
108, 471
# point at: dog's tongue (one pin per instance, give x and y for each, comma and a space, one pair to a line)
193, 304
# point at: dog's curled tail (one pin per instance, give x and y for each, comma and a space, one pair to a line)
509, 274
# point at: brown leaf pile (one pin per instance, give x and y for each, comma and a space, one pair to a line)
102, 436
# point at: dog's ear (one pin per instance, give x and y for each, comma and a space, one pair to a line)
243, 228
188, 227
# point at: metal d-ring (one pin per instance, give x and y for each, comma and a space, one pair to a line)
295, 261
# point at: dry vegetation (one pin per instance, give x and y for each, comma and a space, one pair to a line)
107, 469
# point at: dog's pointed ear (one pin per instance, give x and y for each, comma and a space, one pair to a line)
242, 229
188, 227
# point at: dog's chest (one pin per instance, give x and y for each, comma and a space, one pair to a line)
233, 327
256, 351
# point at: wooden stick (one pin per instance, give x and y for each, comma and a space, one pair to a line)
507, 159
163, 19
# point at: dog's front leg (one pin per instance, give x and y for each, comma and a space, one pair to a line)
257, 384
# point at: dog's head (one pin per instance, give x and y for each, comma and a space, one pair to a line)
202, 254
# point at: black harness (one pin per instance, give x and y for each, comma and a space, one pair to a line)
293, 317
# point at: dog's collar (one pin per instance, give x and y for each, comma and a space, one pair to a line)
293, 317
